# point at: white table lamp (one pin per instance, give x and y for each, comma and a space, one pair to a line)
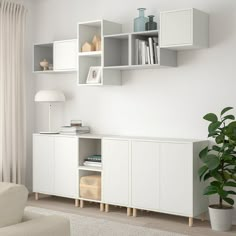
49, 96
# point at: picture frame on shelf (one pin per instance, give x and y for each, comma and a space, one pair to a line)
94, 75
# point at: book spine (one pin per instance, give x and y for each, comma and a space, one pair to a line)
136, 51
155, 53
151, 50
143, 43
148, 55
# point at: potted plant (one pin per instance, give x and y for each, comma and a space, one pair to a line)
219, 168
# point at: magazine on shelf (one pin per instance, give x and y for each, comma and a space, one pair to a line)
92, 164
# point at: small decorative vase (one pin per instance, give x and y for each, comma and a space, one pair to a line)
151, 25
139, 22
44, 64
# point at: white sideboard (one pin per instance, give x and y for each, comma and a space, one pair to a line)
153, 174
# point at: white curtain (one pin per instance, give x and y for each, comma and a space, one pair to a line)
12, 92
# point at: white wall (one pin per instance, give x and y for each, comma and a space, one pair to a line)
161, 102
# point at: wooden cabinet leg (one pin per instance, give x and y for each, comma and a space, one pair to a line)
134, 212
129, 211
106, 208
203, 216
101, 207
36, 196
76, 202
190, 222
81, 203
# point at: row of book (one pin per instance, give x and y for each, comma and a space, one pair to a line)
93, 161
74, 130
146, 51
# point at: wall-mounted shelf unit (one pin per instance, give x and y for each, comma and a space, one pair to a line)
119, 52
41, 52
86, 32
61, 54
184, 29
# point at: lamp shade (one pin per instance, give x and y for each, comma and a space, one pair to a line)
49, 96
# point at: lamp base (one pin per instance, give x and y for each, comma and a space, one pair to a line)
49, 132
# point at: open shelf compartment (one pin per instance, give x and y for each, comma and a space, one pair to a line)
41, 52
116, 50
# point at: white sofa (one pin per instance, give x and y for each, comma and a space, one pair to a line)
14, 222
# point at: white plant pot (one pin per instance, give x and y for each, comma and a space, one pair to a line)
221, 219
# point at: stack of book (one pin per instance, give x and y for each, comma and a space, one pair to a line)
146, 51
94, 161
74, 130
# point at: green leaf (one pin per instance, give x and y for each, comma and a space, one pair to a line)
212, 161
215, 174
213, 134
222, 193
220, 138
214, 126
230, 184
225, 110
231, 192
203, 153
227, 157
202, 171
229, 117
207, 176
227, 176
216, 148
216, 184
229, 200
210, 190
211, 117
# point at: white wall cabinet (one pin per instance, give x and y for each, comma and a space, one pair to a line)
115, 177
145, 175
183, 29
55, 165
65, 55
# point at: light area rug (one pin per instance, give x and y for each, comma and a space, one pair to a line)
91, 226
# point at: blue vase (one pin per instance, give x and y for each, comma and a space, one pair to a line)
140, 22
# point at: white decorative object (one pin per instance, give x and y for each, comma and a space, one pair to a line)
97, 43
44, 64
49, 96
94, 75
192, 32
221, 219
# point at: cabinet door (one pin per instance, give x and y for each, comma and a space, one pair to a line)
43, 168
65, 55
176, 178
66, 166
176, 28
115, 159
145, 175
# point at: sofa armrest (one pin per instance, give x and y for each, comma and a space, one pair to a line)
46, 226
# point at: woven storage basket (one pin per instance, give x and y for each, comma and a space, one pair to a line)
90, 187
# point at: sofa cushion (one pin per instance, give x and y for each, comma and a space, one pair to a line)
13, 199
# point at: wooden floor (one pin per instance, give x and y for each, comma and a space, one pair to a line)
145, 219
